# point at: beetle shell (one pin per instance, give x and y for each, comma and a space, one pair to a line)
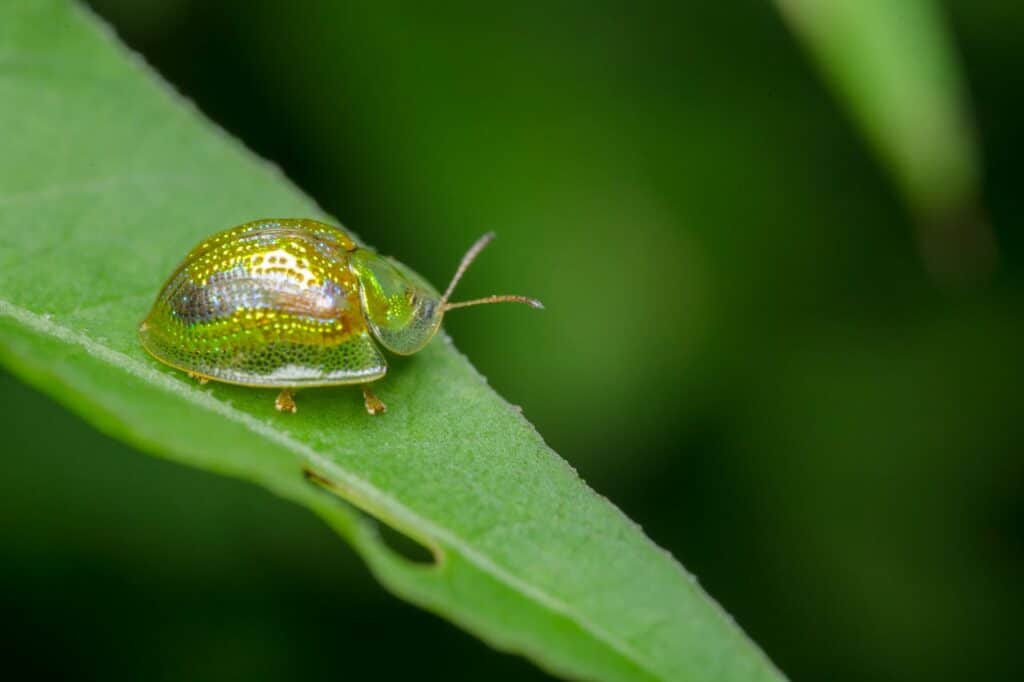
277, 303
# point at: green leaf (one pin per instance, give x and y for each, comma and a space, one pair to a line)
894, 66
106, 180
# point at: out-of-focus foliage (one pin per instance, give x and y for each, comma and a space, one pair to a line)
742, 346
895, 67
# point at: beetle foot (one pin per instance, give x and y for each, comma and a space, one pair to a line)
199, 377
374, 405
284, 401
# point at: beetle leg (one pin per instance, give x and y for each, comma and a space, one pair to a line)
374, 405
284, 401
199, 377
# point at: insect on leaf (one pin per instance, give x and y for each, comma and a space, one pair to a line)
106, 179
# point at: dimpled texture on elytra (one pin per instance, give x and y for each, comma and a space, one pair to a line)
267, 303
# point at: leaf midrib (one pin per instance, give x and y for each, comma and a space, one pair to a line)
362, 493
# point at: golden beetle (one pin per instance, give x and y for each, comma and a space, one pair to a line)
292, 303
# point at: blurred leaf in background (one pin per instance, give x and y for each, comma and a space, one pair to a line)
742, 346
897, 70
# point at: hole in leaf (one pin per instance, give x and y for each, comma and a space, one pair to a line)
403, 545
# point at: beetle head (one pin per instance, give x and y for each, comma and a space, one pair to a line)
402, 310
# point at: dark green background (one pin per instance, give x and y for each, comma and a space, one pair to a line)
741, 349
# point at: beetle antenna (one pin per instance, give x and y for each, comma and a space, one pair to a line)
510, 298
467, 260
